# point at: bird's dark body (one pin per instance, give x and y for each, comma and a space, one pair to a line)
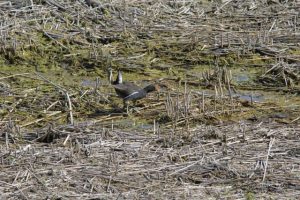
129, 91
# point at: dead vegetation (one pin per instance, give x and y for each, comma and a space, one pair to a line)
281, 74
64, 136
90, 161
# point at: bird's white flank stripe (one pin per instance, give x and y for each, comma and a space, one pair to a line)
131, 95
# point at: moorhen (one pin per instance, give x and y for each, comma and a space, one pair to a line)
128, 91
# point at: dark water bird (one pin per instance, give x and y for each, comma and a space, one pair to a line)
93, 3
129, 91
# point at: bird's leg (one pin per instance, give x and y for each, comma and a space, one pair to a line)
125, 104
134, 103
134, 106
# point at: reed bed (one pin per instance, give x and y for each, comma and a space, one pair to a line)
91, 161
194, 139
